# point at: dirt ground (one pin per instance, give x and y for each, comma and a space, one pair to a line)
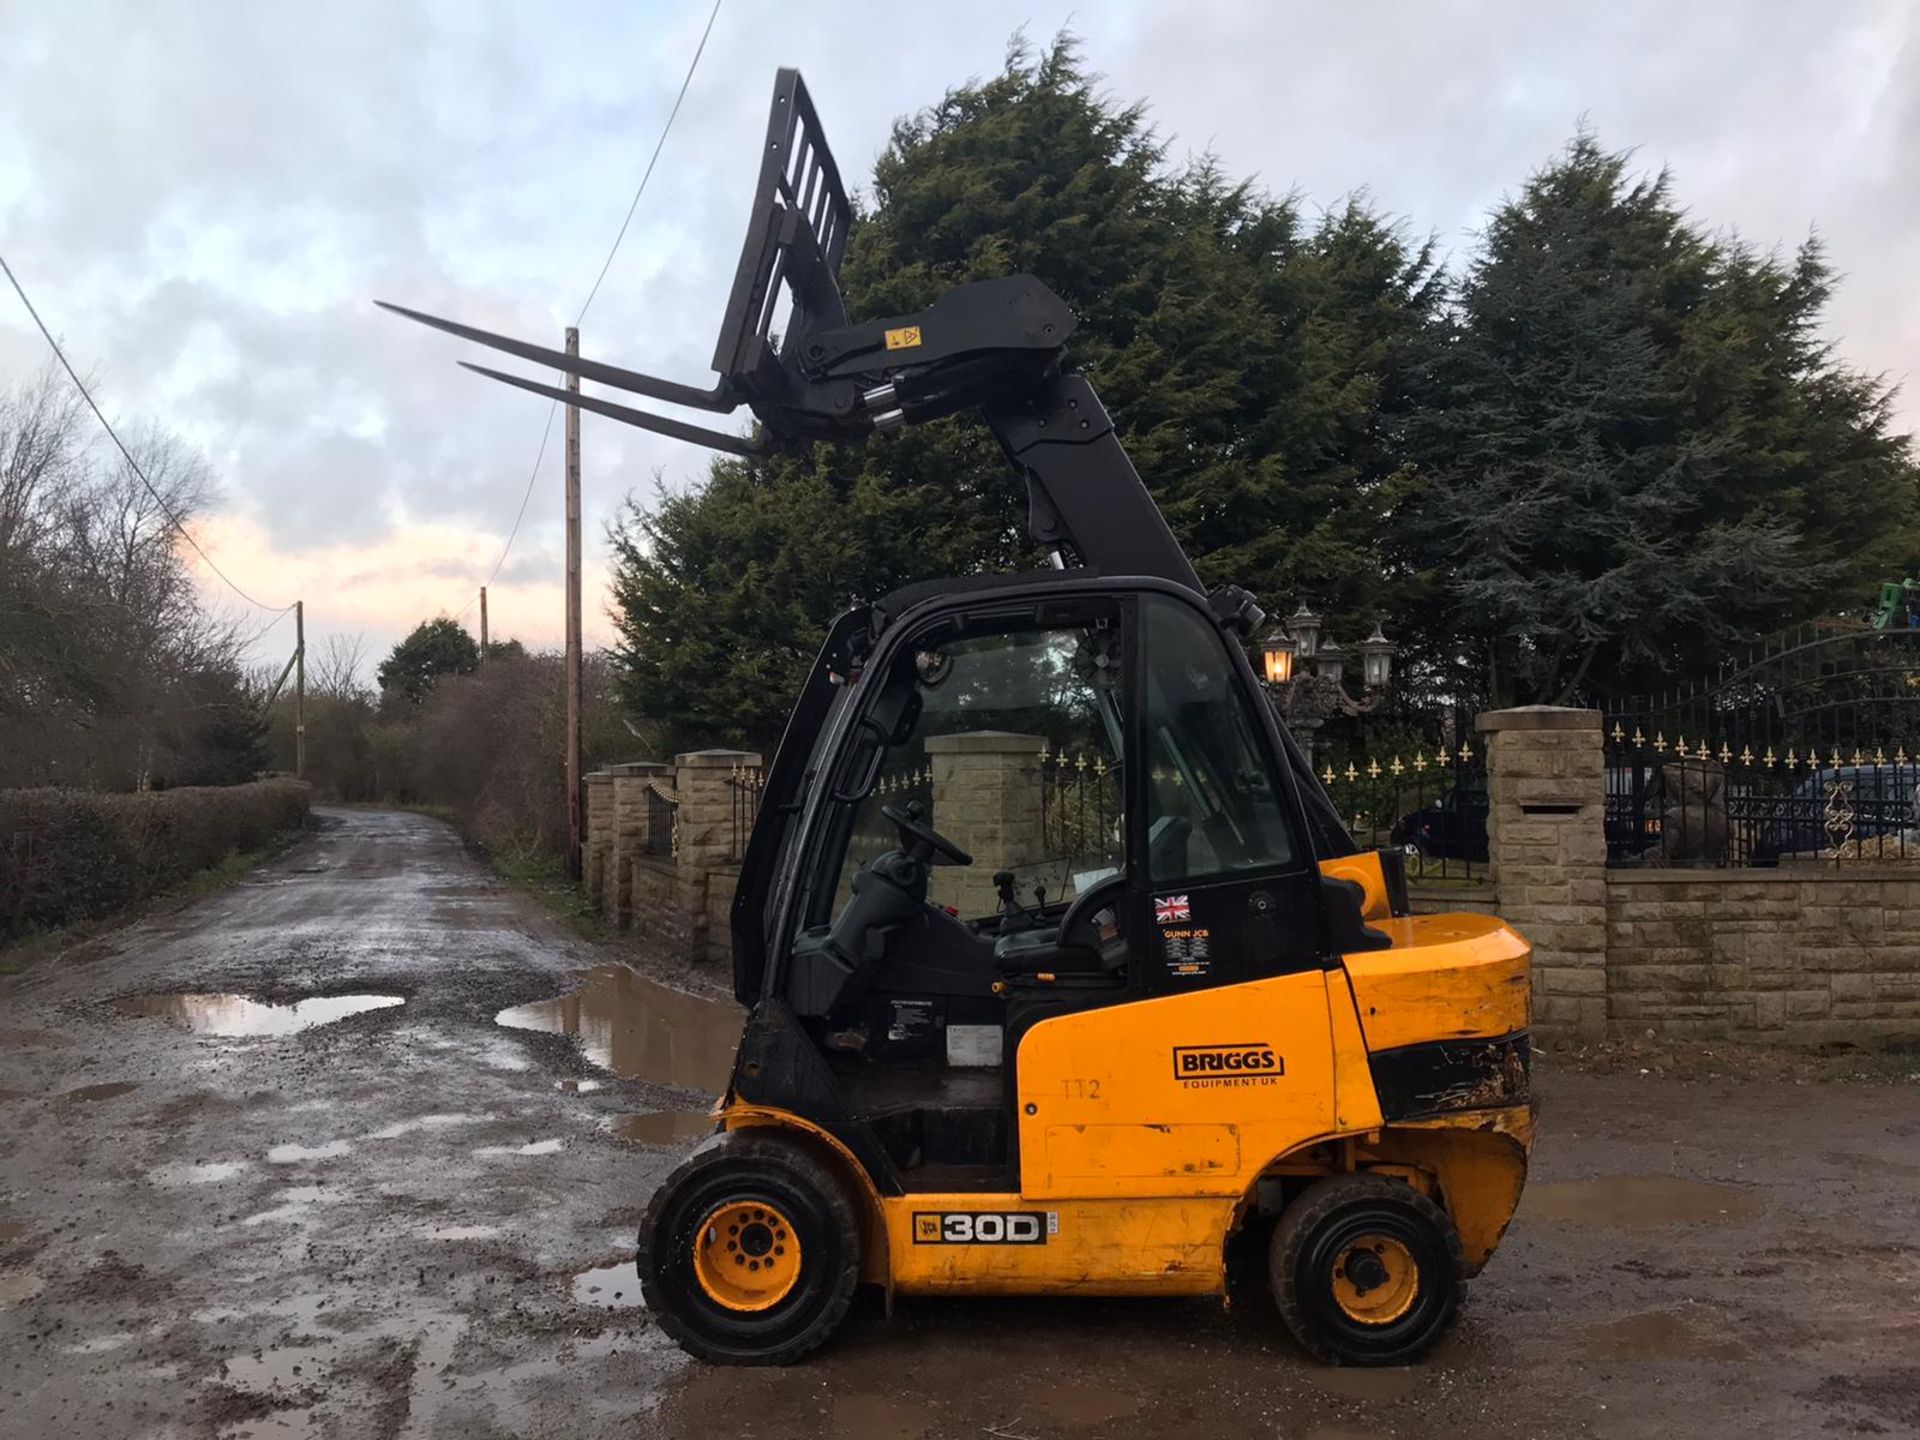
408, 1218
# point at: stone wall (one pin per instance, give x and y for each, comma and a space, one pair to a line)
657, 916
1807, 956
1799, 955
986, 799
1546, 790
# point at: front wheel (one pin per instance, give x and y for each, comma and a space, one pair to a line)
1366, 1271
750, 1251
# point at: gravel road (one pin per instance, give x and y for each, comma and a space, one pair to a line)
357, 1147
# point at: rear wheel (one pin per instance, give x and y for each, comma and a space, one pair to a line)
750, 1252
1366, 1271
1416, 857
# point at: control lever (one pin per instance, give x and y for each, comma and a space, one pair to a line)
1013, 917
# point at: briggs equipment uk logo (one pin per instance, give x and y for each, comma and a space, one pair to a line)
1223, 1066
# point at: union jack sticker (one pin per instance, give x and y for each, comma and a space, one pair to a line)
1171, 910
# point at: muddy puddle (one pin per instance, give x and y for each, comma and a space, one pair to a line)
1080, 1406
19, 1286
609, 1287
17, 1039
1632, 1201
112, 1090
237, 1017
1369, 1386
1664, 1335
880, 1417
640, 1030
663, 1127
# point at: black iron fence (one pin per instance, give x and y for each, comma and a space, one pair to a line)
1429, 802
745, 785
662, 834
1807, 750
1080, 813
1684, 802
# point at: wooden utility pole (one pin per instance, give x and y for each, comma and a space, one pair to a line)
483, 624
299, 688
573, 615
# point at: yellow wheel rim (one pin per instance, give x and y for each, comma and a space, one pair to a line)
1376, 1280
746, 1256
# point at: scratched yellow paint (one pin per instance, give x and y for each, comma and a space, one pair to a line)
1447, 977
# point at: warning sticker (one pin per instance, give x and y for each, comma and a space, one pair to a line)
1189, 951
907, 337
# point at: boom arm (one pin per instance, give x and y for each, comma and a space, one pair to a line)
788, 352
993, 344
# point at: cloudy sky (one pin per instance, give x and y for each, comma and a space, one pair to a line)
204, 200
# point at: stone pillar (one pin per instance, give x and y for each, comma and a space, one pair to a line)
593, 865
1546, 838
705, 787
986, 799
630, 784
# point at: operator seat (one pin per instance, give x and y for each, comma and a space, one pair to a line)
1087, 945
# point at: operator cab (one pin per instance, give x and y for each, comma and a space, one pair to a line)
1056, 797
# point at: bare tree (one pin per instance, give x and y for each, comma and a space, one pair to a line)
41, 445
336, 672
112, 672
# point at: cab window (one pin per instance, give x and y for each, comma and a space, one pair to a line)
1009, 741
1213, 800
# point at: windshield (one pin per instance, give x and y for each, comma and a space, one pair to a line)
1010, 743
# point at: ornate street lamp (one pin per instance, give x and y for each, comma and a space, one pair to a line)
1306, 675
1376, 659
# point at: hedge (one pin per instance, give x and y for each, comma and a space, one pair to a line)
68, 855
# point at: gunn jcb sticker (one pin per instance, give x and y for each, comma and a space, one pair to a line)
984, 1227
1224, 1066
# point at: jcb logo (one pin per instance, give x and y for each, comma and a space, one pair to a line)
980, 1227
1226, 1062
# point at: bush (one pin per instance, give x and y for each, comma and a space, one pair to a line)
68, 855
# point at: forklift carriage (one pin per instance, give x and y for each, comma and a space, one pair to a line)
1201, 1016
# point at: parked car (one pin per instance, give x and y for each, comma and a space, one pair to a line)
1881, 803
1453, 827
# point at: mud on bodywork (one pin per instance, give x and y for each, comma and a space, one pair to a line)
1443, 1077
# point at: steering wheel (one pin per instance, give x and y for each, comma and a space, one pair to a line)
927, 842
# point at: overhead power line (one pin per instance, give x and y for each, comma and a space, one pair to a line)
652, 160
105, 424
553, 406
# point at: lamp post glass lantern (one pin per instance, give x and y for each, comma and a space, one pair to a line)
1376, 659
1277, 653
1304, 626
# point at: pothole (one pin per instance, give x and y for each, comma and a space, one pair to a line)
236, 1016
640, 1030
610, 1287
663, 1127
1630, 1201
111, 1090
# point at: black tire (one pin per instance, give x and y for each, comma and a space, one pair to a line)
742, 1168
1338, 1221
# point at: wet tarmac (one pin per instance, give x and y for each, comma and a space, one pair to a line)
414, 1219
